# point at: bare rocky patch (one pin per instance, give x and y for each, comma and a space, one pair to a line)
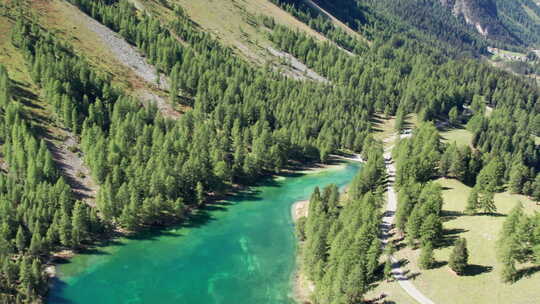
147, 79
295, 68
69, 160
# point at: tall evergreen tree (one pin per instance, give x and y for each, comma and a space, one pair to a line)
459, 257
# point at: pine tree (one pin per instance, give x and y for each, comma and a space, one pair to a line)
20, 239
506, 253
35, 244
431, 230
472, 202
517, 178
487, 203
10, 272
453, 116
459, 257
25, 272
79, 224
387, 272
413, 226
199, 193
426, 259
37, 277
373, 255
65, 230
128, 219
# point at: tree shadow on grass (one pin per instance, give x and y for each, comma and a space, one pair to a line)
474, 270
449, 237
400, 245
376, 121
438, 264
526, 272
448, 215
402, 263
454, 231
493, 214
413, 276
24, 95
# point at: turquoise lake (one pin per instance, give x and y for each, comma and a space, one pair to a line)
241, 251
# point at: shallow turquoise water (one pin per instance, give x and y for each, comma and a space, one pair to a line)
240, 252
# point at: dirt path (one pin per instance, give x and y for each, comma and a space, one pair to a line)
400, 275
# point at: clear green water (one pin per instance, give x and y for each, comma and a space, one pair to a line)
242, 251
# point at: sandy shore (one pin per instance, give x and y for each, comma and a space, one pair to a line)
50, 269
355, 157
299, 209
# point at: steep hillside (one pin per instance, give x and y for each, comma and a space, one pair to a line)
61, 142
120, 116
482, 14
428, 21
522, 19
107, 51
236, 23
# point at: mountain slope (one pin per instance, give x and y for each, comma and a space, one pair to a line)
522, 18
243, 118
483, 15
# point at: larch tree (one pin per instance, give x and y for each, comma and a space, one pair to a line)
459, 257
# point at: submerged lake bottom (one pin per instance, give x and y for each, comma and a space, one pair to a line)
242, 250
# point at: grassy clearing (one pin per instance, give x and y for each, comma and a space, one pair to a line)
461, 136
393, 293
234, 23
23, 88
383, 127
68, 23
483, 284
9, 57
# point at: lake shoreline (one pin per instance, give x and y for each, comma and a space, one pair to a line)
63, 256
303, 288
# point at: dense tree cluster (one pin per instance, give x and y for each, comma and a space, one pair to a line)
71, 85
410, 77
518, 243
342, 249
419, 200
409, 83
245, 121
519, 17
431, 20
418, 78
38, 212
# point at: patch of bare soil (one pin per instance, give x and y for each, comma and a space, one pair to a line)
68, 158
297, 69
130, 57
